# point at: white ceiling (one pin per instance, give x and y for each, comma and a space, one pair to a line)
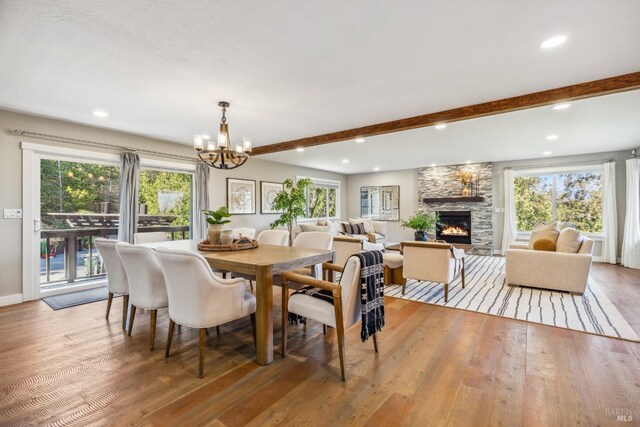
595, 125
296, 68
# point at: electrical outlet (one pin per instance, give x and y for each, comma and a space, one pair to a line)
12, 213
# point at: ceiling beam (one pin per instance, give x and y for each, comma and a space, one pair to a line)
568, 93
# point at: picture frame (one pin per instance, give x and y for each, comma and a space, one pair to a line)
268, 191
241, 196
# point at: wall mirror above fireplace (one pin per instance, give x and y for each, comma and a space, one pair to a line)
380, 202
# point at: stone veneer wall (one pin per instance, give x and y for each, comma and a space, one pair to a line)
442, 181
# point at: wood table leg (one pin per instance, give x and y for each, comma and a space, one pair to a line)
264, 315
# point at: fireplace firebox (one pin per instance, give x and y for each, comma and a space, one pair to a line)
454, 227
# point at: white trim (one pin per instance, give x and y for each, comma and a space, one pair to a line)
329, 183
556, 170
76, 286
73, 153
174, 165
31, 216
10, 299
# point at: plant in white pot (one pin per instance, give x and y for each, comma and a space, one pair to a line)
217, 220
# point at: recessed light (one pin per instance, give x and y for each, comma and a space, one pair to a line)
300, 150
376, 169
100, 113
345, 160
433, 165
546, 153
563, 106
206, 136
552, 137
360, 140
553, 42
441, 126
468, 161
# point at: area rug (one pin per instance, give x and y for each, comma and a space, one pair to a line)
73, 299
486, 292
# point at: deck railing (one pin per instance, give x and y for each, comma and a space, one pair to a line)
71, 240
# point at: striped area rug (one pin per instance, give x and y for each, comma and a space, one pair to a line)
486, 292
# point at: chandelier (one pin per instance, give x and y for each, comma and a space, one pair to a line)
221, 155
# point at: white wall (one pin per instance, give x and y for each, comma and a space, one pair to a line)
408, 182
11, 180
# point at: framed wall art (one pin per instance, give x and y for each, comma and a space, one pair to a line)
268, 192
241, 196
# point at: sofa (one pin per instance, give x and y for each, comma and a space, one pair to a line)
549, 269
335, 228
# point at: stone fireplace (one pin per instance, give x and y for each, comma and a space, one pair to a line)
441, 188
454, 227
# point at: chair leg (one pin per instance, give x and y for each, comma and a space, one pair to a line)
446, 292
109, 301
132, 315
462, 272
252, 317
324, 329
285, 318
218, 331
152, 329
404, 285
206, 331
251, 284
202, 340
337, 303
375, 342
125, 308
387, 275
172, 325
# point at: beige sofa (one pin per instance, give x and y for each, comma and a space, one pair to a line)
559, 271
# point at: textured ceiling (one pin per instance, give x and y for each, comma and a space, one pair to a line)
296, 68
594, 125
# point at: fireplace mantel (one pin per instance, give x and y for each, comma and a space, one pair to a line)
477, 199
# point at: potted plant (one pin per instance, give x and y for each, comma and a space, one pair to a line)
216, 220
291, 201
422, 223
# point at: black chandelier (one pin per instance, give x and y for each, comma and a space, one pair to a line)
221, 155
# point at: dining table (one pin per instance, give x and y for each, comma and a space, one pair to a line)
262, 264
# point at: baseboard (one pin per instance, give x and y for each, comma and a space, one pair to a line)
10, 299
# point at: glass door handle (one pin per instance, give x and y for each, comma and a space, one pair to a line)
37, 225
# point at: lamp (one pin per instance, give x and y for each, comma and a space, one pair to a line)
222, 156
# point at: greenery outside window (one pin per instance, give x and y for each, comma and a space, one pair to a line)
571, 196
323, 199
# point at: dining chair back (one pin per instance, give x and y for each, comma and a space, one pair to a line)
150, 237
314, 240
247, 232
198, 299
344, 247
117, 282
274, 237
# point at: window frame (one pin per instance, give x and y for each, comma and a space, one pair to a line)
554, 171
327, 183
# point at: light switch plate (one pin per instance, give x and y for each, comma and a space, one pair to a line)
12, 213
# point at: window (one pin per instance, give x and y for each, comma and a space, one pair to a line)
574, 197
322, 199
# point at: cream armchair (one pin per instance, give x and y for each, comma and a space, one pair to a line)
558, 271
433, 262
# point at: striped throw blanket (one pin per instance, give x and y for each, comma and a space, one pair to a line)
371, 294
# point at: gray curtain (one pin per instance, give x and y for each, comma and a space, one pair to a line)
129, 186
200, 201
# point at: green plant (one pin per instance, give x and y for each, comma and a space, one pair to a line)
291, 201
421, 221
217, 216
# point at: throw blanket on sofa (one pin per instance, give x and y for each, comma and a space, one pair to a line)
371, 237
371, 294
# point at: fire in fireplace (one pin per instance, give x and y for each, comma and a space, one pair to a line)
454, 227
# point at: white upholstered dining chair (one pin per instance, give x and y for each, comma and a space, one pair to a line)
150, 237
147, 288
117, 282
247, 232
344, 312
313, 240
274, 237
344, 247
198, 299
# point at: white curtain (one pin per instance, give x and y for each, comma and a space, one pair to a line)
631, 240
200, 200
129, 186
609, 214
509, 229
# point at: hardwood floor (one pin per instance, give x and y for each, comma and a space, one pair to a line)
436, 366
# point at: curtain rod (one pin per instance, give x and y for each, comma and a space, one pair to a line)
553, 165
86, 142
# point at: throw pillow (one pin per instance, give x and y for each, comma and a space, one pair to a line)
546, 231
544, 245
350, 228
569, 241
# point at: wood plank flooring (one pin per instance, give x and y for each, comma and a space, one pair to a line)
436, 366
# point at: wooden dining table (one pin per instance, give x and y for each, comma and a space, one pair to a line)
261, 263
